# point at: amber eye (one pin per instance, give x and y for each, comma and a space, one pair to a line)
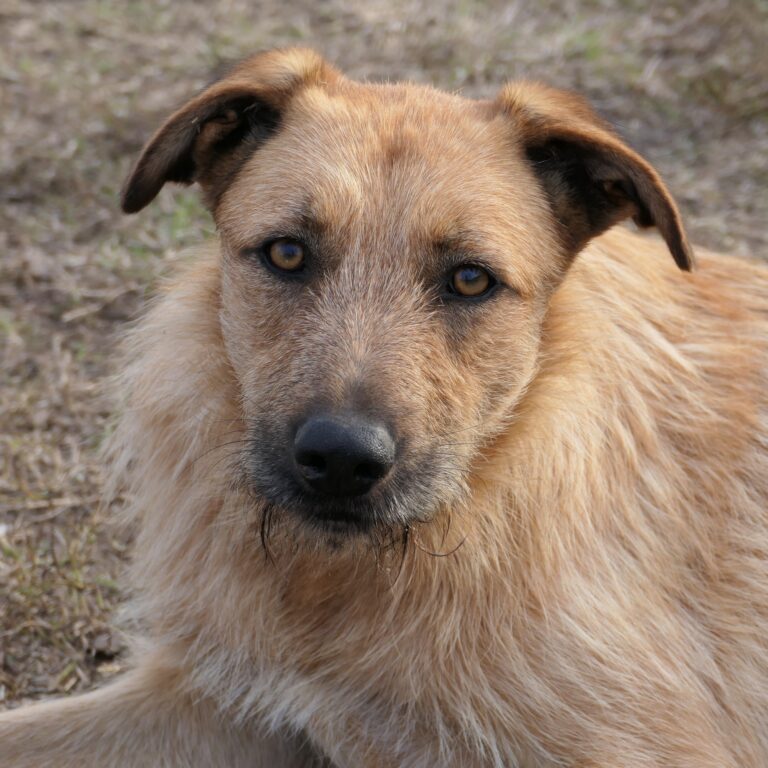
470, 281
285, 255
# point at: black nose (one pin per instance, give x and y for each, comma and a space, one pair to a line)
342, 455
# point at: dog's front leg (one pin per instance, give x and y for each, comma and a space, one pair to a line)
144, 720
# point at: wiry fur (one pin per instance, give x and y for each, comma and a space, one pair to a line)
581, 577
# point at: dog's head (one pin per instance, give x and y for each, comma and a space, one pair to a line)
388, 254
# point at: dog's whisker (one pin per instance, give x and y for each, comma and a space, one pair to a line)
440, 554
265, 531
471, 428
218, 447
235, 456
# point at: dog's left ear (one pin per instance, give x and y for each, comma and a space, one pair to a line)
591, 178
207, 139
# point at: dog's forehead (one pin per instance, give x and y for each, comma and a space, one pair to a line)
391, 118
404, 160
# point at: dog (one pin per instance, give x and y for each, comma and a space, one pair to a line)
429, 464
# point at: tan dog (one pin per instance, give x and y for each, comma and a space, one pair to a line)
414, 485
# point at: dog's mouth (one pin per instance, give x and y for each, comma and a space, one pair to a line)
410, 493
376, 513
361, 516
338, 517
340, 523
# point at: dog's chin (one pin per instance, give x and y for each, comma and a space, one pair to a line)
329, 519
339, 523
344, 518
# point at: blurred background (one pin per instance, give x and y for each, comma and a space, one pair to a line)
82, 85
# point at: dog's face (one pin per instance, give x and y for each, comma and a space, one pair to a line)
388, 253
381, 299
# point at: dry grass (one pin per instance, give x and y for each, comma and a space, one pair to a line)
81, 85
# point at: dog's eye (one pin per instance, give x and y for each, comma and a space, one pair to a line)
285, 255
470, 281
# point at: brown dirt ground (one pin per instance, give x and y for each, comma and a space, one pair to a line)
82, 83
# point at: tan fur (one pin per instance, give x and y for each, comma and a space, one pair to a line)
587, 580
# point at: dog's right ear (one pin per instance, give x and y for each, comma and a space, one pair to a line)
208, 137
591, 178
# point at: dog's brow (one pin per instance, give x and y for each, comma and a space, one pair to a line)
303, 224
300, 221
312, 222
457, 241
462, 246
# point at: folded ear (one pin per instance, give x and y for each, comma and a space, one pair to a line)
592, 179
207, 139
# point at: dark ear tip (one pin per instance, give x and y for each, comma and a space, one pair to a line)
684, 257
133, 196
127, 205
